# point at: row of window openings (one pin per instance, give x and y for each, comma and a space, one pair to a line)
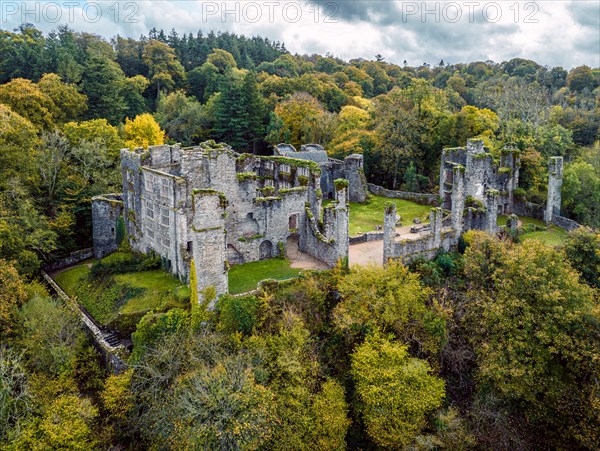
164, 216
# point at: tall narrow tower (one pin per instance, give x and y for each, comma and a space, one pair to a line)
555, 175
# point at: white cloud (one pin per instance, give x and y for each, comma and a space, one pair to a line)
553, 33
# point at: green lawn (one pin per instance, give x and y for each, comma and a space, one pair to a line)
364, 217
553, 236
245, 277
501, 220
69, 280
141, 291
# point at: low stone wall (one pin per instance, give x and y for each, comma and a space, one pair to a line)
565, 223
419, 198
72, 259
109, 353
366, 237
529, 209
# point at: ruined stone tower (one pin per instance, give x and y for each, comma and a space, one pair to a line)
555, 175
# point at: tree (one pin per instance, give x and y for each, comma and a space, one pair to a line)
12, 296
257, 112
231, 115
67, 424
15, 398
535, 331
581, 188
303, 120
352, 118
70, 104
103, 82
580, 78
582, 247
183, 118
51, 332
29, 101
94, 130
143, 131
396, 391
133, 90
18, 138
389, 299
164, 70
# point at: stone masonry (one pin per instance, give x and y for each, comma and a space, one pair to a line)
350, 169
475, 189
214, 207
109, 227
555, 175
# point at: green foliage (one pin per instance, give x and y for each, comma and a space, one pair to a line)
12, 296
51, 332
390, 299
534, 328
582, 247
153, 327
122, 263
15, 397
581, 188
237, 314
396, 391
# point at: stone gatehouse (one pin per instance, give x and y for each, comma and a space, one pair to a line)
211, 207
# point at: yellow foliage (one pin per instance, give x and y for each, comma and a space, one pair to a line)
143, 131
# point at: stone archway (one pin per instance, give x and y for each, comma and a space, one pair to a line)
265, 250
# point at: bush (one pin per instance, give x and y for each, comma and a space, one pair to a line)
124, 263
237, 314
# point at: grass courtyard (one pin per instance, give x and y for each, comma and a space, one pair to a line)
245, 277
365, 217
119, 300
552, 236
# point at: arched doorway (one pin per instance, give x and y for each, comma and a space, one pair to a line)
265, 250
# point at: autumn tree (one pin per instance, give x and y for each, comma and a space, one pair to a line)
396, 391
12, 296
29, 101
534, 327
143, 131
389, 299
70, 104
303, 120
164, 70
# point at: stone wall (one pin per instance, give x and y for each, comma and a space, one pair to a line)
366, 237
209, 247
109, 353
419, 198
565, 223
72, 259
330, 242
107, 223
263, 200
555, 175
529, 209
427, 246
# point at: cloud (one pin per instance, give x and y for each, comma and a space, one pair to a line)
553, 33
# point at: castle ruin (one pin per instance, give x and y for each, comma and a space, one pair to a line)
210, 207
474, 189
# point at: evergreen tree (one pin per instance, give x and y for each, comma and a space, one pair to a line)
231, 115
102, 83
256, 110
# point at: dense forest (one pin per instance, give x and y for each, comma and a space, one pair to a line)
495, 346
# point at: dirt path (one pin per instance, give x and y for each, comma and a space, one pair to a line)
372, 252
300, 259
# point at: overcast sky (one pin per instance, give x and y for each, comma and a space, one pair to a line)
554, 33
